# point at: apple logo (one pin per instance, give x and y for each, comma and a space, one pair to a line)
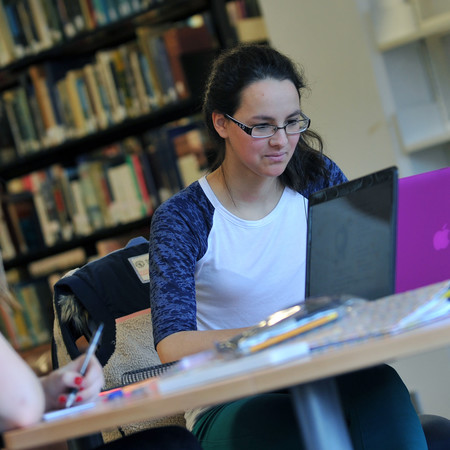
441, 238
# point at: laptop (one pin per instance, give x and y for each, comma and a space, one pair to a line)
423, 239
351, 237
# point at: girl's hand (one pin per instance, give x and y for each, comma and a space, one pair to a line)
58, 383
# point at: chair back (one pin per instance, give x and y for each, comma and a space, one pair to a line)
114, 290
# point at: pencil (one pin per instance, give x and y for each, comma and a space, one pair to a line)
314, 323
90, 352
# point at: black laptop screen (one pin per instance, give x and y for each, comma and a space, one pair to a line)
352, 237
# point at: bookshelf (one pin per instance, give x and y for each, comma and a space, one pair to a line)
96, 134
413, 39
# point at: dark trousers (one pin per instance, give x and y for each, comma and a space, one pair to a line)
375, 401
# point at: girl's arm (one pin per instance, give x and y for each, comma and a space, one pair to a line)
22, 399
183, 343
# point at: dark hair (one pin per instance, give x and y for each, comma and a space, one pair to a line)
233, 71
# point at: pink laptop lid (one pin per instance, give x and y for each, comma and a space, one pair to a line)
423, 230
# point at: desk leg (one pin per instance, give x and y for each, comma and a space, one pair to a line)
319, 414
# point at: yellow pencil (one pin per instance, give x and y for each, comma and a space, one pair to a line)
302, 329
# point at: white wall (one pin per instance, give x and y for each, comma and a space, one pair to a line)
350, 107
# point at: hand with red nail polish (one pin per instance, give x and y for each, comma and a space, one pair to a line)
59, 382
26, 397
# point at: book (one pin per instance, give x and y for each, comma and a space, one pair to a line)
29, 312
13, 122
89, 195
62, 262
124, 82
141, 91
67, 113
40, 184
32, 184
28, 26
8, 152
13, 23
106, 75
7, 248
55, 27
141, 184
144, 36
7, 45
75, 13
75, 102
8, 324
21, 108
87, 10
63, 200
207, 367
36, 114
127, 202
38, 17
22, 208
191, 154
95, 96
81, 221
179, 41
68, 26
53, 130
160, 59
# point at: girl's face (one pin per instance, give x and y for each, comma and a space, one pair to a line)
270, 102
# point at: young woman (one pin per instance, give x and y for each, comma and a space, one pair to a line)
230, 249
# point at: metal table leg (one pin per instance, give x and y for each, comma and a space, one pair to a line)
319, 414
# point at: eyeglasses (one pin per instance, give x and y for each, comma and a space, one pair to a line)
295, 126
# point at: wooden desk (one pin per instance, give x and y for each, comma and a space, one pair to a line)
311, 378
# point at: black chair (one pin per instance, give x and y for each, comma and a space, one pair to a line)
437, 431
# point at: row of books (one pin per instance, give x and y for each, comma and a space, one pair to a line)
70, 98
28, 323
120, 183
30, 26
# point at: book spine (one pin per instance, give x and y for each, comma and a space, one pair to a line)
141, 91
8, 45
28, 27
13, 22
37, 16
138, 193
54, 23
9, 325
90, 197
53, 131
142, 184
13, 123
33, 308
170, 38
101, 118
75, 103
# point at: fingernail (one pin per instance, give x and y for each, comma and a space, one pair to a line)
79, 399
78, 380
62, 399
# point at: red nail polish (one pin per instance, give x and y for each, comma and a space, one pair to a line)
78, 380
78, 399
62, 399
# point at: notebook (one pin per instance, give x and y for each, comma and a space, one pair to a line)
351, 237
423, 239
